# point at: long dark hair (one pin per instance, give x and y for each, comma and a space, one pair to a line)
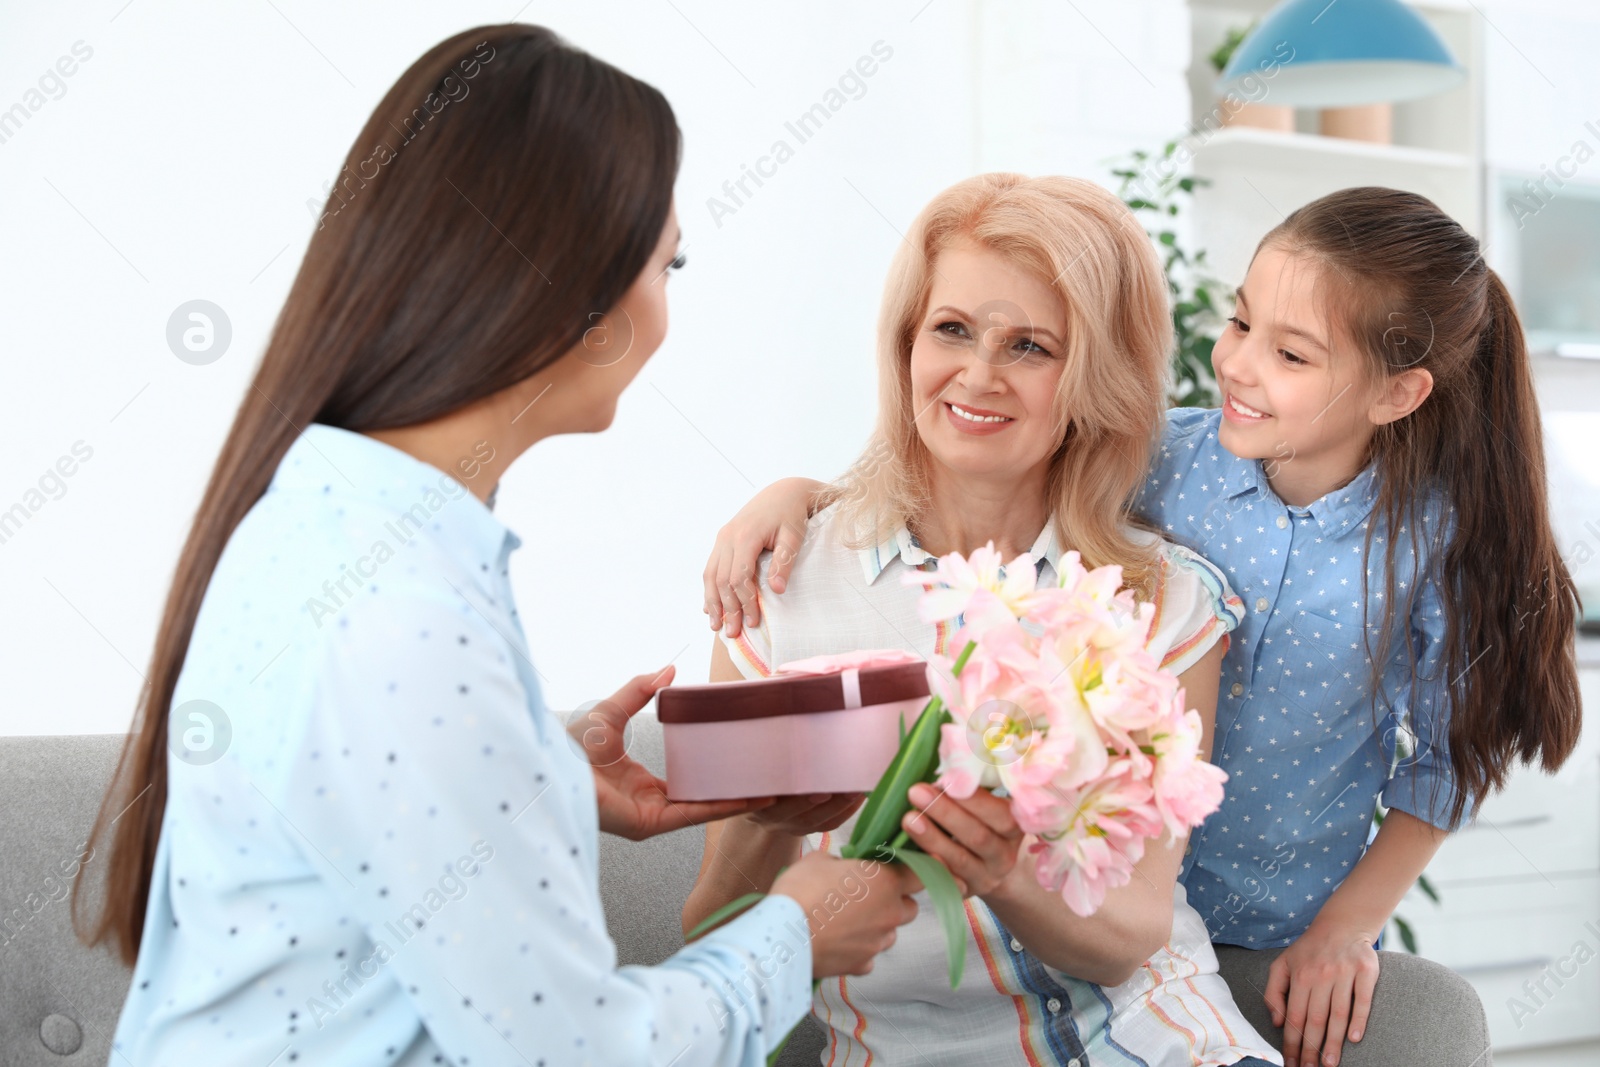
1408, 287
507, 187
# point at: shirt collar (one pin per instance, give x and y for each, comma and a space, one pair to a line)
352, 466
1338, 509
875, 558
1348, 505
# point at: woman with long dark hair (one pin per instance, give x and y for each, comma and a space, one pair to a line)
345, 827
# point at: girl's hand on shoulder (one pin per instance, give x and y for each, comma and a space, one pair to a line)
1319, 988
774, 518
975, 837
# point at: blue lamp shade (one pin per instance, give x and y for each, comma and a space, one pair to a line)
1340, 53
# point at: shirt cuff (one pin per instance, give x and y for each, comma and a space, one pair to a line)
1427, 795
776, 980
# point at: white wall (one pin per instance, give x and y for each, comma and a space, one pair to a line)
176, 164
1541, 104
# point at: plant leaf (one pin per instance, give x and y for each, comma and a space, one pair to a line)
777, 1053
1408, 937
946, 898
887, 804
1427, 887
724, 912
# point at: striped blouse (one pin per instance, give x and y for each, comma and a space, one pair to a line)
1010, 1007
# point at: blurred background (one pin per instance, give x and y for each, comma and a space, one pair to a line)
163, 164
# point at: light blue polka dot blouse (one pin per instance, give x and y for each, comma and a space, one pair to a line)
1308, 755
379, 846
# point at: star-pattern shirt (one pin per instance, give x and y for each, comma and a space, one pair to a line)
379, 846
1307, 751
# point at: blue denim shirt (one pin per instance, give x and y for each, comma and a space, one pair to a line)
1307, 754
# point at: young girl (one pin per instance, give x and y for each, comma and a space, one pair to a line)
1374, 488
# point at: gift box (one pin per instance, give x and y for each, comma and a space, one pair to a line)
830, 724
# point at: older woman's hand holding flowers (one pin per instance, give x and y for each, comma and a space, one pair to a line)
1055, 700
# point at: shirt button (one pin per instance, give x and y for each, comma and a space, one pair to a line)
1074, 1062
1053, 1004
1261, 603
1283, 520
1238, 689
1016, 946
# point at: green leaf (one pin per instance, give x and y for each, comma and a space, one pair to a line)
915, 761
1408, 937
777, 1053
887, 804
929, 769
724, 912
946, 898
1427, 887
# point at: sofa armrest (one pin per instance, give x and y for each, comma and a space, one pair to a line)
1423, 1013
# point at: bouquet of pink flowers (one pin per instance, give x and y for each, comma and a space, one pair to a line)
1054, 698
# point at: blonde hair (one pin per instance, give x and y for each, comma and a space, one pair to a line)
1116, 353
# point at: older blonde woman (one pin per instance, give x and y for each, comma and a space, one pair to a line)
1022, 350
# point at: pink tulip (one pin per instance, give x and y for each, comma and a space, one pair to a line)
1060, 701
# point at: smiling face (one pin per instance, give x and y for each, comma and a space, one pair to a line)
1295, 394
986, 361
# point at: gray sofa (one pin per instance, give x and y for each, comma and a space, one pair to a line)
59, 1001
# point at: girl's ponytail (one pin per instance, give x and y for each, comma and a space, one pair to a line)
1514, 689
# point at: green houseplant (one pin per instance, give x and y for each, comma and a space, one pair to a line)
1153, 189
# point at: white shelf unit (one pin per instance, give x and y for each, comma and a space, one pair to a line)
1519, 900
1258, 176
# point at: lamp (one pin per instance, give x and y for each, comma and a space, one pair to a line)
1342, 53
